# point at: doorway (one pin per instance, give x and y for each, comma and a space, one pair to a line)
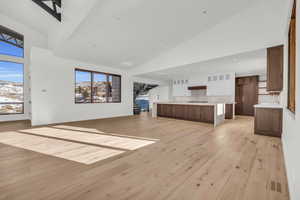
246, 95
141, 97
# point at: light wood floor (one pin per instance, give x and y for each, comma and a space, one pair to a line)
190, 161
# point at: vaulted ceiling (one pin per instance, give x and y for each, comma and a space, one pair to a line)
248, 63
128, 33
145, 36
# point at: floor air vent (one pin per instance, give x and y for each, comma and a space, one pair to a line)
275, 186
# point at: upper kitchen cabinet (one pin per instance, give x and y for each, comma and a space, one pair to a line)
180, 88
221, 84
275, 68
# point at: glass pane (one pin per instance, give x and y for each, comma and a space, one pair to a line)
83, 87
11, 108
11, 43
11, 87
99, 88
114, 92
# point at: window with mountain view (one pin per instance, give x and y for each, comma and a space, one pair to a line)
97, 87
11, 72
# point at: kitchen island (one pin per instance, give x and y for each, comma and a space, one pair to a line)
213, 113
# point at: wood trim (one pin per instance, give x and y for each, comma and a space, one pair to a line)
291, 104
200, 87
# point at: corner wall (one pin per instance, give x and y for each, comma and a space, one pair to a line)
291, 121
52, 91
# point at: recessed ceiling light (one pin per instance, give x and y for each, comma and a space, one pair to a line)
117, 18
127, 63
204, 12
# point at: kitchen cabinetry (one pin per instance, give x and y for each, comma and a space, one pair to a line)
268, 121
275, 68
220, 84
180, 88
197, 113
229, 111
246, 95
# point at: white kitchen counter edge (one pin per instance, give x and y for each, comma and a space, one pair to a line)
186, 103
268, 106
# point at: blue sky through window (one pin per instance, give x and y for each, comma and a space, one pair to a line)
99, 77
11, 50
82, 76
10, 71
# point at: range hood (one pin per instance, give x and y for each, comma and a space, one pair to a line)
198, 87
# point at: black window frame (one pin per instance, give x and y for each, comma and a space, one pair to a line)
92, 81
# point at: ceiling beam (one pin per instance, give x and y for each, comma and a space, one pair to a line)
53, 11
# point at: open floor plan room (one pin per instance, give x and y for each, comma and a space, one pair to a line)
149, 100
189, 161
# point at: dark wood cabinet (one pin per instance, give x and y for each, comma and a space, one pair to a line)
179, 111
165, 110
197, 113
275, 68
229, 111
246, 95
207, 114
268, 121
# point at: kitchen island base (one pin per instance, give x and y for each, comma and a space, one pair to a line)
204, 112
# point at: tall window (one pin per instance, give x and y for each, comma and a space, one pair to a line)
97, 87
292, 62
11, 72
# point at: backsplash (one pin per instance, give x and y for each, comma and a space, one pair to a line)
263, 95
228, 99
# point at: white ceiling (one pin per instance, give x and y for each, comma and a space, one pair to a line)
127, 33
29, 14
249, 63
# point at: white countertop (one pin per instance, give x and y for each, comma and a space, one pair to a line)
188, 103
268, 105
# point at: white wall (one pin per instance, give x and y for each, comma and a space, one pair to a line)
291, 127
52, 91
291, 123
31, 38
160, 93
138, 79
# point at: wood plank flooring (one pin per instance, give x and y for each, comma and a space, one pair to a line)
81, 153
190, 161
89, 138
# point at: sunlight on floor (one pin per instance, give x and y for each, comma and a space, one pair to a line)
81, 145
92, 130
81, 153
90, 138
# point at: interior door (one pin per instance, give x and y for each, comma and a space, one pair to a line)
246, 95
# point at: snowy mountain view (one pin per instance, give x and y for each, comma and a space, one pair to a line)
11, 88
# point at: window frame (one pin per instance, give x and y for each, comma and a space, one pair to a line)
18, 60
291, 95
92, 81
17, 35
